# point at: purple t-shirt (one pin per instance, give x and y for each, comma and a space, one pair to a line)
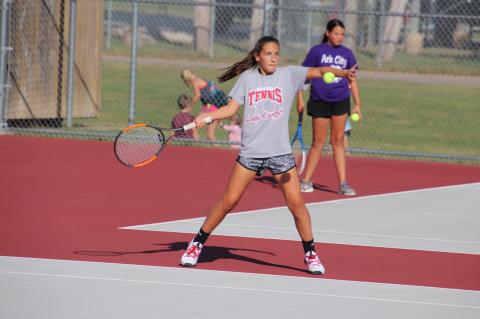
336, 57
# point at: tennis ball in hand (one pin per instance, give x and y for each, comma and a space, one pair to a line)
328, 77
355, 117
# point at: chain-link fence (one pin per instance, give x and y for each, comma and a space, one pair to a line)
83, 68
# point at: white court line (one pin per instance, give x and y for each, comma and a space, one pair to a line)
237, 288
314, 204
331, 232
199, 220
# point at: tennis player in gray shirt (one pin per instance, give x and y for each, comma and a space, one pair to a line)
267, 92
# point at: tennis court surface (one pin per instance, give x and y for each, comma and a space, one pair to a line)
83, 237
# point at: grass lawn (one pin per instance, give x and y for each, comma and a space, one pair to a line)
398, 116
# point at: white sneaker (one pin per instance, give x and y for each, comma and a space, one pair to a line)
190, 256
313, 263
306, 187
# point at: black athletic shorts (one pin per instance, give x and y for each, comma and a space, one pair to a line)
327, 109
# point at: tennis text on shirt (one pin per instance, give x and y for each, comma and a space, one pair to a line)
267, 101
274, 94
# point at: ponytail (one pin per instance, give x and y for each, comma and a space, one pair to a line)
325, 38
239, 67
248, 62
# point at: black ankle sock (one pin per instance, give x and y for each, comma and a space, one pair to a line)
308, 245
201, 237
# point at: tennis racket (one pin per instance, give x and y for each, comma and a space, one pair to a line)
140, 144
298, 146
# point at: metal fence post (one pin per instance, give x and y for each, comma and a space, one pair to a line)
133, 65
309, 28
371, 24
71, 61
212, 29
3, 62
266, 9
109, 25
279, 20
381, 34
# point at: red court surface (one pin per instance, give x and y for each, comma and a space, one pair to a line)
66, 199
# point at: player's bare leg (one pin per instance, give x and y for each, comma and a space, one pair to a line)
239, 180
237, 184
290, 186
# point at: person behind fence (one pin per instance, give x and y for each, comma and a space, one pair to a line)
329, 104
184, 117
234, 131
267, 92
208, 93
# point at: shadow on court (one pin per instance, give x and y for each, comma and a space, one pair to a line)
271, 181
209, 254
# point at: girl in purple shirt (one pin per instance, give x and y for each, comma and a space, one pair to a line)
329, 104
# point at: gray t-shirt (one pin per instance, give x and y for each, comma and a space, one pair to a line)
267, 101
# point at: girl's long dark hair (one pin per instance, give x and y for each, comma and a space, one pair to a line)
248, 62
330, 26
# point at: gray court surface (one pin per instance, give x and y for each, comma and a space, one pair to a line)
34, 288
439, 219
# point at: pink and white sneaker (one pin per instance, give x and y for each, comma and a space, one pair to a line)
313, 263
190, 256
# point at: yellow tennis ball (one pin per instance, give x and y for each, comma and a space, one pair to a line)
355, 117
328, 77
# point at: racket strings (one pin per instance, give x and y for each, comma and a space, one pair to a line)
139, 145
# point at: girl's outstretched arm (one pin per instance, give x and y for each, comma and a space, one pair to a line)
318, 72
224, 112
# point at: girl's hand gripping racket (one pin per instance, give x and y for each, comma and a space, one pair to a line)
140, 144
298, 146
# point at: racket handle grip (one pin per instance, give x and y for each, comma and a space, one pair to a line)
208, 120
192, 125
